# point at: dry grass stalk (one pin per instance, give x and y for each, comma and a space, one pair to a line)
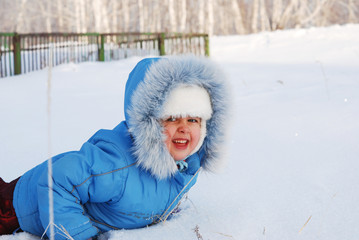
305, 224
196, 230
223, 234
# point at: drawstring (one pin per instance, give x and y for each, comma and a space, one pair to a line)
182, 165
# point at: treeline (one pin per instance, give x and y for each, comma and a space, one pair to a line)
215, 17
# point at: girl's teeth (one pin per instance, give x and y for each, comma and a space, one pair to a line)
180, 141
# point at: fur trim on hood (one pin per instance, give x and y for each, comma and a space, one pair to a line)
148, 88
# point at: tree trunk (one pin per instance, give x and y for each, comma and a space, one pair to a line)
223, 25
154, 12
310, 14
48, 16
114, 16
255, 16
83, 22
183, 15
288, 14
172, 17
104, 16
301, 13
140, 15
126, 15
191, 19
20, 18
210, 23
200, 12
264, 16
97, 17
351, 9
276, 13
238, 20
77, 16
60, 17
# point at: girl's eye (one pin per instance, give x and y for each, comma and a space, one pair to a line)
193, 120
171, 119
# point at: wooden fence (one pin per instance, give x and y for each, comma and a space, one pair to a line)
23, 53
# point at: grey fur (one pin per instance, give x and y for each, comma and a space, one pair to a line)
149, 96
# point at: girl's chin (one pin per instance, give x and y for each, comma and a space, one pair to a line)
179, 157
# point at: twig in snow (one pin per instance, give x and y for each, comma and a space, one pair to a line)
325, 78
223, 234
196, 230
305, 224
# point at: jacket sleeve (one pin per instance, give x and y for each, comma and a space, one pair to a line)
75, 182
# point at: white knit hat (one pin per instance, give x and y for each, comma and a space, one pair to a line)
189, 101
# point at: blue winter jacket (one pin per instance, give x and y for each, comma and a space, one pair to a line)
125, 178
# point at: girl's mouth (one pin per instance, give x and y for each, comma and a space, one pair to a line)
180, 144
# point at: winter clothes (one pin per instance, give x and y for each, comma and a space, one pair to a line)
8, 220
125, 177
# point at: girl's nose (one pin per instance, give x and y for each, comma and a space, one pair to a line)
183, 127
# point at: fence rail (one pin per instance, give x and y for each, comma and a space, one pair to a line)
23, 53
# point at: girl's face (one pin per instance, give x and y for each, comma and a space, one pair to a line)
183, 135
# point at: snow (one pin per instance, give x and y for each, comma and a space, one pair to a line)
293, 145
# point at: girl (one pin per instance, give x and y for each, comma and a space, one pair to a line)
134, 175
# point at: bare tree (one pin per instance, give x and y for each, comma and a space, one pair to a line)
77, 16
255, 16
48, 16
287, 13
83, 16
154, 16
146, 14
43, 15
200, 13
265, 25
172, 16
114, 14
140, 15
96, 4
101, 16
222, 16
20, 18
277, 8
60, 18
104, 15
310, 12
238, 20
183, 15
126, 15
210, 22
191, 11
352, 8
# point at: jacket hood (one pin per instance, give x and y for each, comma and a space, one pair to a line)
148, 88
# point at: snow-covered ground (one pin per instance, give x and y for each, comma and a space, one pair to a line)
293, 149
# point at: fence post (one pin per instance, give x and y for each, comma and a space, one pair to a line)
206, 46
16, 41
101, 50
161, 43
